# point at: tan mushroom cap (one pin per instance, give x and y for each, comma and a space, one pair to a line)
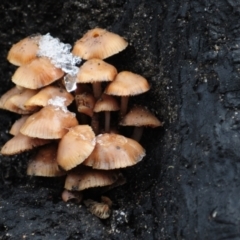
15, 129
50, 122
96, 70
16, 103
140, 116
84, 177
85, 103
75, 146
24, 51
44, 163
49, 92
21, 143
114, 151
100, 209
99, 43
37, 74
13, 91
127, 84
106, 103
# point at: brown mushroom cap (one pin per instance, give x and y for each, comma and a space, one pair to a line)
44, 163
84, 177
24, 51
15, 129
96, 70
75, 146
38, 73
49, 92
106, 103
99, 43
114, 151
85, 103
127, 84
50, 122
140, 116
21, 143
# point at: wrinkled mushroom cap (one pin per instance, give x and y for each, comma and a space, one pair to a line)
84, 177
99, 43
75, 146
38, 73
127, 84
50, 122
24, 51
96, 70
44, 163
114, 151
140, 116
15, 129
106, 103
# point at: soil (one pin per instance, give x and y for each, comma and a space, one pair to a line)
187, 186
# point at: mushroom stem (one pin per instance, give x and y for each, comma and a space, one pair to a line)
95, 123
97, 89
137, 133
124, 105
107, 121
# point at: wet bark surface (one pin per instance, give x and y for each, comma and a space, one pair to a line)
187, 187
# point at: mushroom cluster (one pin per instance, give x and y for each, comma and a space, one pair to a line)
72, 129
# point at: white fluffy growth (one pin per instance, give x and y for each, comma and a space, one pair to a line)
58, 102
60, 55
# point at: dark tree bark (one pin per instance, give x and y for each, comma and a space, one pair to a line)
187, 187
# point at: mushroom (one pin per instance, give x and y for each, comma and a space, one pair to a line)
72, 195
107, 104
127, 84
140, 117
114, 151
51, 122
13, 91
24, 51
83, 177
38, 73
100, 209
75, 146
99, 43
20, 143
49, 92
44, 163
95, 71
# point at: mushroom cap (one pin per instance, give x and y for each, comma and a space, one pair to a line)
50, 122
21, 143
96, 70
84, 177
38, 73
15, 129
16, 103
99, 43
75, 146
140, 116
24, 51
44, 163
101, 210
106, 103
72, 195
127, 84
114, 151
85, 103
49, 92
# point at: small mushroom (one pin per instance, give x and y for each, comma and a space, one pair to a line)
18, 124
44, 163
51, 122
140, 117
24, 51
95, 71
75, 146
107, 104
114, 151
38, 73
68, 195
99, 43
83, 177
127, 84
